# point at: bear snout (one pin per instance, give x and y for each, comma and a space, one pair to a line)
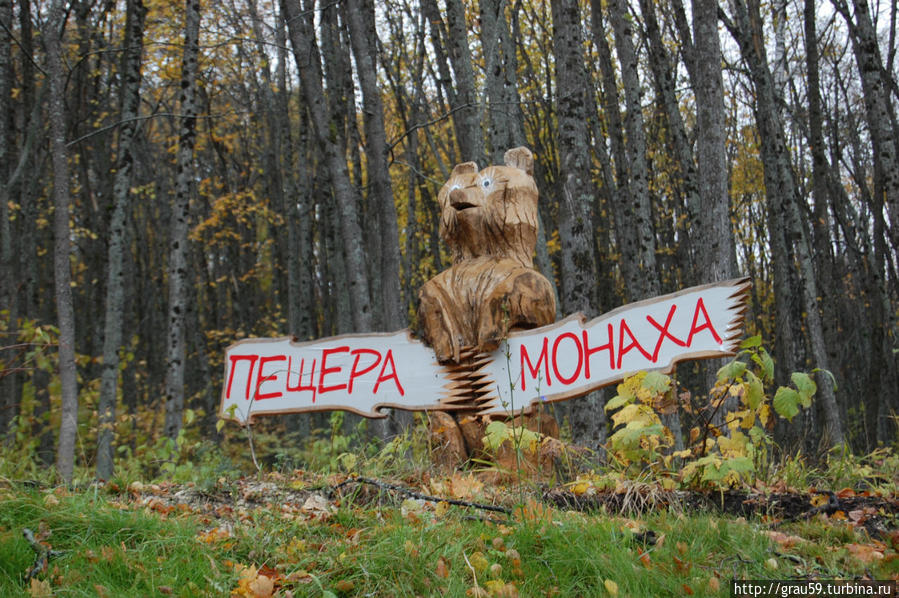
459, 200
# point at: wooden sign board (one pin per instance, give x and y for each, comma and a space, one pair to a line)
367, 373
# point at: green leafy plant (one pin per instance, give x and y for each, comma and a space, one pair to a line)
731, 441
740, 447
640, 437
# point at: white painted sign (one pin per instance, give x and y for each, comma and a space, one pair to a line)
369, 372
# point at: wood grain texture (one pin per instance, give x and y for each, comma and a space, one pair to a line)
489, 221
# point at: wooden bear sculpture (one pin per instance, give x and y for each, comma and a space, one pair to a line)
489, 221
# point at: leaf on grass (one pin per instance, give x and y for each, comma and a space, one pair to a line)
866, 553
858, 516
465, 486
581, 487
40, 588
838, 516
532, 511
479, 563
683, 567
611, 587
251, 584
819, 500
784, 540
214, 535
345, 585
317, 507
441, 509
410, 508
262, 587
442, 568
410, 548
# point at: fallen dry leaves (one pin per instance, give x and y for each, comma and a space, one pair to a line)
785, 541
253, 584
39, 588
867, 553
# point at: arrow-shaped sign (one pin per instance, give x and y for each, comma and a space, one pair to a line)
366, 373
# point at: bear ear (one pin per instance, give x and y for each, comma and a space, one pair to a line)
520, 158
465, 168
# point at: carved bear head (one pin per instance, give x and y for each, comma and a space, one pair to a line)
491, 213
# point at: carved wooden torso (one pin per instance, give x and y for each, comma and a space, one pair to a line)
489, 221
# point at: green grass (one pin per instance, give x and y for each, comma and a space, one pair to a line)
116, 547
119, 552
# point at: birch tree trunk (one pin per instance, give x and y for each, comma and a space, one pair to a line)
118, 236
713, 237
360, 18
622, 199
471, 139
306, 54
822, 183
277, 153
298, 194
664, 78
503, 120
177, 267
68, 375
575, 196
360, 15
877, 108
444, 76
644, 281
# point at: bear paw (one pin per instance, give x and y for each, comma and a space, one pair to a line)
523, 301
437, 328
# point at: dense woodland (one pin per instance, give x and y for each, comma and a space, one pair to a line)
179, 176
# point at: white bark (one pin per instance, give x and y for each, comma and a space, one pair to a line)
118, 238
177, 267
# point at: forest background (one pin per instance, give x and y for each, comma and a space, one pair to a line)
177, 176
